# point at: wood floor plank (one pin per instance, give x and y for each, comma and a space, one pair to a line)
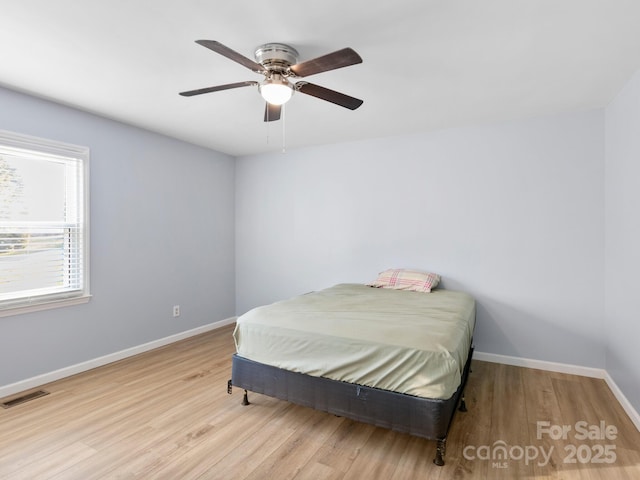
319, 471
343, 447
237, 449
543, 408
165, 414
311, 432
378, 460
416, 460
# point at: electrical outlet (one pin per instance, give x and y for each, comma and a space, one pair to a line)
176, 310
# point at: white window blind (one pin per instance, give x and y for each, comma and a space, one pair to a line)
43, 222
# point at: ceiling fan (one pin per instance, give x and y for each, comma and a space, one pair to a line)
278, 62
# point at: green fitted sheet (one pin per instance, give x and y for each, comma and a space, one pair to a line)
407, 342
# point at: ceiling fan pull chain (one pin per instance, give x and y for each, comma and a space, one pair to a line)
284, 121
268, 127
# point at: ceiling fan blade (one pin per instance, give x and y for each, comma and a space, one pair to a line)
272, 112
331, 61
217, 88
231, 55
329, 95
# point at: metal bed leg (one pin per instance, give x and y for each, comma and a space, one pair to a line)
245, 397
463, 405
441, 447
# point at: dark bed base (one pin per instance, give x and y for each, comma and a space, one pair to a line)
422, 417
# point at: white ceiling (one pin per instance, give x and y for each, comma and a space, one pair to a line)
427, 64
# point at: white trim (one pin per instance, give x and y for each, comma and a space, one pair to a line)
601, 373
53, 150
53, 147
626, 405
37, 381
541, 365
46, 305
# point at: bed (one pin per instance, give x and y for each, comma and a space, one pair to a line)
392, 358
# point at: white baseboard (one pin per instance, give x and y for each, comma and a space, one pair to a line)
37, 381
634, 416
626, 405
541, 365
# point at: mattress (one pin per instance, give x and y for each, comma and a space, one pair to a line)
402, 341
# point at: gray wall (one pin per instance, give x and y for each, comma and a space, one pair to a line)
512, 213
162, 233
622, 180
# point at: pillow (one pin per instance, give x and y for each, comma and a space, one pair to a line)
404, 279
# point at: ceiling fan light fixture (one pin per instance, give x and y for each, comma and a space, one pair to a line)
276, 89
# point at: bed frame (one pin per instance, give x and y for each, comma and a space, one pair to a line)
423, 417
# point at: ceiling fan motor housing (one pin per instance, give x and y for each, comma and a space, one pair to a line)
276, 56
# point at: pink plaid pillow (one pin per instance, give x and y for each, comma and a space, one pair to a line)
403, 279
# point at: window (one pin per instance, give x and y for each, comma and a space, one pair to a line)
44, 234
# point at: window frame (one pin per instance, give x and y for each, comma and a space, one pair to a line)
53, 147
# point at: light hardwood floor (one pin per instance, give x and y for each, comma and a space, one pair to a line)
165, 414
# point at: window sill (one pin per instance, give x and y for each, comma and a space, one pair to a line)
37, 307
